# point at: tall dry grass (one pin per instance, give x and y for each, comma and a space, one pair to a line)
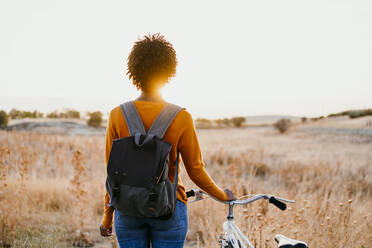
52, 188
332, 208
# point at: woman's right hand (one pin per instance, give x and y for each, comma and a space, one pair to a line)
230, 195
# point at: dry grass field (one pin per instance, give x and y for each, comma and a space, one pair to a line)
52, 188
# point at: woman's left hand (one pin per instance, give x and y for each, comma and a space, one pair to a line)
105, 232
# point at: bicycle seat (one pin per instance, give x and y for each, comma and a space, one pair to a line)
284, 242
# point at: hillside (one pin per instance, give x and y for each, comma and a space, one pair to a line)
61, 127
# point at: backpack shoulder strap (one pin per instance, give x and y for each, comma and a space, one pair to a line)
133, 119
164, 119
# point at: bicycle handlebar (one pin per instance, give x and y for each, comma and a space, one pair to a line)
277, 201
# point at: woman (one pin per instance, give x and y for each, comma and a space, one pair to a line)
151, 63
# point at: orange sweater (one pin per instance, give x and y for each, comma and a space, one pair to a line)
181, 134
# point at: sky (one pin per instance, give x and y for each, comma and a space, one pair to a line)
303, 58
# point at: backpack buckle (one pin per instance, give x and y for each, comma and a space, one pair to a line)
116, 191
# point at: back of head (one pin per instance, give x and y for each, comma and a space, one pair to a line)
151, 63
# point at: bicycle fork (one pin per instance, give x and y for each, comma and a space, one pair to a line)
234, 237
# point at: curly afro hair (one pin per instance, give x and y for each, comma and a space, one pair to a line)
152, 62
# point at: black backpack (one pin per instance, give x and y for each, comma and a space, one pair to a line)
137, 170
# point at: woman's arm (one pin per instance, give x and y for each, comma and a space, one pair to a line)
108, 211
192, 158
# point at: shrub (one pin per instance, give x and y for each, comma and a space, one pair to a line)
203, 123
73, 114
15, 114
368, 112
53, 114
223, 122
238, 121
304, 119
282, 125
317, 118
95, 119
39, 114
360, 113
70, 114
355, 114
29, 114
62, 115
3, 119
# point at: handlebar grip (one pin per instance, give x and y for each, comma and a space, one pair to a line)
279, 204
190, 193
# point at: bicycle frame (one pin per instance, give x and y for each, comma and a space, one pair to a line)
234, 237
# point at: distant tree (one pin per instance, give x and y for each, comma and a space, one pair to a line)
29, 114
203, 123
37, 114
282, 125
204, 120
219, 122
62, 115
3, 119
304, 119
70, 114
15, 114
40, 115
95, 119
226, 121
360, 113
223, 122
353, 113
73, 114
238, 121
53, 115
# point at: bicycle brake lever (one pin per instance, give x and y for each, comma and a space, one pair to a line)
284, 200
198, 196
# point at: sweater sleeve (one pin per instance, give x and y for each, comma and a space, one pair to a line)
108, 212
192, 158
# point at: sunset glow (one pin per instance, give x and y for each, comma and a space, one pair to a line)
247, 58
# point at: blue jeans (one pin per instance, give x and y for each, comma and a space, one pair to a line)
134, 232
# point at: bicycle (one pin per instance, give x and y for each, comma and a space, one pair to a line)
233, 237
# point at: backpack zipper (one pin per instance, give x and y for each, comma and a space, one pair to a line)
161, 175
